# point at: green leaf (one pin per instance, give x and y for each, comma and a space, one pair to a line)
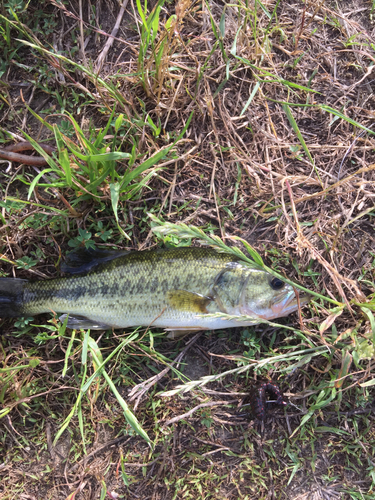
36, 179
85, 347
346, 363
142, 15
98, 368
65, 164
222, 24
102, 134
293, 123
369, 383
93, 347
80, 424
252, 95
333, 430
104, 157
115, 194
70, 345
371, 319
129, 416
170, 22
118, 122
233, 50
150, 162
364, 350
276, 78
252, 252
346, 118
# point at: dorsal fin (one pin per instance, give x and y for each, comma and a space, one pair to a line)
85, 259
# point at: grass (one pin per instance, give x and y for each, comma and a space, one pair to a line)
235, 126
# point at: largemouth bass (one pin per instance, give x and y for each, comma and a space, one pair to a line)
175, 289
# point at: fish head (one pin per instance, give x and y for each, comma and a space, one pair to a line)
268, 297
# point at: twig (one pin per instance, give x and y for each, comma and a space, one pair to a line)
172, 188
83, 53
139, 390
193, 410
102, 56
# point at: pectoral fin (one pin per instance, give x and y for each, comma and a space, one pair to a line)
78, 322
183, 300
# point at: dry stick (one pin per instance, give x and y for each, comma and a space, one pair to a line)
26, 111
87, 25
368, 72
173, 186
81, 34
139, 390
12, 153
29, 398
172, 103
203, 405
102, 56
12, 431
301, 28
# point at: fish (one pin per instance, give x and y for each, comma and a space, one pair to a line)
178, 289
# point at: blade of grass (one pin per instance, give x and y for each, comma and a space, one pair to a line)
150, 162
346, 362
328, 109
252, 95
296, 129
99, 367
80, 394
129, 416
341, 115
115, 197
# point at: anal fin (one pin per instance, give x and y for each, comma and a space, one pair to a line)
78, 322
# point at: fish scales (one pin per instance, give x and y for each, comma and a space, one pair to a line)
129, 290
173, 288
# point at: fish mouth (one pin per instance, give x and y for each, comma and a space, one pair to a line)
288, 303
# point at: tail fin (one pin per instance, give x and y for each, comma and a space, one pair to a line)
11, 297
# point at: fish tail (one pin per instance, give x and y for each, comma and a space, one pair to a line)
11, 297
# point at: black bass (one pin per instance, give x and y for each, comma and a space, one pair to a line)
175, 289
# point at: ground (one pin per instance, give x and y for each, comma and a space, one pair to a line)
246, 120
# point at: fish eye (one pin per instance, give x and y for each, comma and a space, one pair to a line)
277, 284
